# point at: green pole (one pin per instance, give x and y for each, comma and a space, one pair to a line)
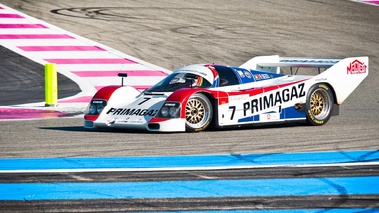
51, 85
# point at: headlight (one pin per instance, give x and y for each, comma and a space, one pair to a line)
169, 110
174, 112
92, 109
96, 107
165, 111
100, 108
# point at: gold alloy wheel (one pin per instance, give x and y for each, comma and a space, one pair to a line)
195, 111
198, 112
320, 104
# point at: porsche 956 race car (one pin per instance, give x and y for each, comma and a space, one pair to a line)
195, 97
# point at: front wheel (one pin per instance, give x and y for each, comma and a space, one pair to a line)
319, 104
198, 112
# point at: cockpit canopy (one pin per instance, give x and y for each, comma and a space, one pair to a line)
209, 76
195, 76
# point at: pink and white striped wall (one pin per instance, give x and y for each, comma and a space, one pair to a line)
90, 64
371, 2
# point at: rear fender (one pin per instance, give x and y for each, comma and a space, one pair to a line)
345, 76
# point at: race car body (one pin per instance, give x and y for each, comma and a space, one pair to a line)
197, 96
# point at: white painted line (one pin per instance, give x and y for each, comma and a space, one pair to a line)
132, 80
186, 168
72, 55
103, 67
21, 31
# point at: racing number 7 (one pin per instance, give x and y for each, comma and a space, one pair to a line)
146, 99
233, 108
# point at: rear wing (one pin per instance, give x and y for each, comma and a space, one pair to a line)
343, 74
274, 62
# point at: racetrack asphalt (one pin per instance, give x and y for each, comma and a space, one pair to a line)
196, 32
169, 35
22, 80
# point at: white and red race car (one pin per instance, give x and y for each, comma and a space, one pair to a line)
198, 96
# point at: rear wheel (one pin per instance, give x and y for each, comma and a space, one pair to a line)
198, 112
319, 104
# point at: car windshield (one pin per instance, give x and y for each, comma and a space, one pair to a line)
180, 80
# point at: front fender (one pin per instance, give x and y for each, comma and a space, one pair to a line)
182, 96
111, 94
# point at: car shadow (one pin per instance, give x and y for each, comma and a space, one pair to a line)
103, 130
136, 131
260, 126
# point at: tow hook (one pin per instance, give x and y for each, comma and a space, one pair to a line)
111, 122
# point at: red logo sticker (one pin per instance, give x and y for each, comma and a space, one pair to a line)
356, 67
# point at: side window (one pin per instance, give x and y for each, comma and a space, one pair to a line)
227, 76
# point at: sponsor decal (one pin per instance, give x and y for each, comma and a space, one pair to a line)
316, 121
170, 104
135, 112
244, 73
273, 99
271, 116
241, 74
356, 67
321, 79
238, 98
323, 86
248, 74
316, 61
259, 77
97, 101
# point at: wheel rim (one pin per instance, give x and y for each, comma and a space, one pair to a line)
320, 104
197, 112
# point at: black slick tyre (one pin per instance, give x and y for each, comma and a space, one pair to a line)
319, 104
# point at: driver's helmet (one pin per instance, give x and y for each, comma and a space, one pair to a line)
198, 82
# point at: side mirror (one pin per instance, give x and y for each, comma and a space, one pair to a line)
122, 75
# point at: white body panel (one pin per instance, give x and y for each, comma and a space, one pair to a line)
127, 107
266, 106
